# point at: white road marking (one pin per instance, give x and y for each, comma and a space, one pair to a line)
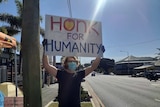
156, 85
158, 100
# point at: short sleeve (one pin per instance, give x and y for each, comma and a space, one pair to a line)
59, 73
81, 74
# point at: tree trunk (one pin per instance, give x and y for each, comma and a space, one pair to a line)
31, 54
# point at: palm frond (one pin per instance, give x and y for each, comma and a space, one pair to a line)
14, 21
2, 1
3, 29
19, 6
41, 19
9, 30
42, 32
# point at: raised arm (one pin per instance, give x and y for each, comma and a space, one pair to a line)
48, 67
94, 65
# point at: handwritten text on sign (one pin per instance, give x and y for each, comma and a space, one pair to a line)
72, 37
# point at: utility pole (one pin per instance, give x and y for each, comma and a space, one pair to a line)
31, 54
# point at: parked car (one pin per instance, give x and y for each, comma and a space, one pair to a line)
153, 76
93, 74
141, 74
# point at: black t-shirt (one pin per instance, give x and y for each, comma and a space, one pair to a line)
69, 88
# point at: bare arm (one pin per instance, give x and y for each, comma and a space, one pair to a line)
94, 65
49, 68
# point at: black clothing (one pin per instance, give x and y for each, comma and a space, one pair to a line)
69, 88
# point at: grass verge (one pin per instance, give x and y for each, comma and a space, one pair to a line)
83, 104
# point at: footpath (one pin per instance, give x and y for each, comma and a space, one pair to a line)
49, 94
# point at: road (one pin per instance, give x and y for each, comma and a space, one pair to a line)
125, 91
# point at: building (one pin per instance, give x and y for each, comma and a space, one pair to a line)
127, 65
106, 66
7, 62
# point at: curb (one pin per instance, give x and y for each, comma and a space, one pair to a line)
52, 104
48, 104
96, 102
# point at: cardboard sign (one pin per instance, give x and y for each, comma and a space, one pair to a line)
72, 37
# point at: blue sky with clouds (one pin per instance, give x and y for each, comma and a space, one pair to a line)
132, 26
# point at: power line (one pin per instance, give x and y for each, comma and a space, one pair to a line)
69, 8
135, 44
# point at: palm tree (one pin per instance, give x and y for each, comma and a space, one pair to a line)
2, 1
30, 48
15, 23
9, 19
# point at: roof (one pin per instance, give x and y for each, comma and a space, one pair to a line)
128, 58
157, 63
135, 62
134, 59
144, 67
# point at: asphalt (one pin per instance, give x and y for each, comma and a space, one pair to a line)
50, 92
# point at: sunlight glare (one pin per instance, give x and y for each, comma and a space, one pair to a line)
100, 5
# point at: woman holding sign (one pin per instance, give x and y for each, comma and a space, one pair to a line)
69, 78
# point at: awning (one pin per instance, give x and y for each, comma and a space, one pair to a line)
144, 67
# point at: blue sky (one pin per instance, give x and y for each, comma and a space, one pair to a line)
131, 26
